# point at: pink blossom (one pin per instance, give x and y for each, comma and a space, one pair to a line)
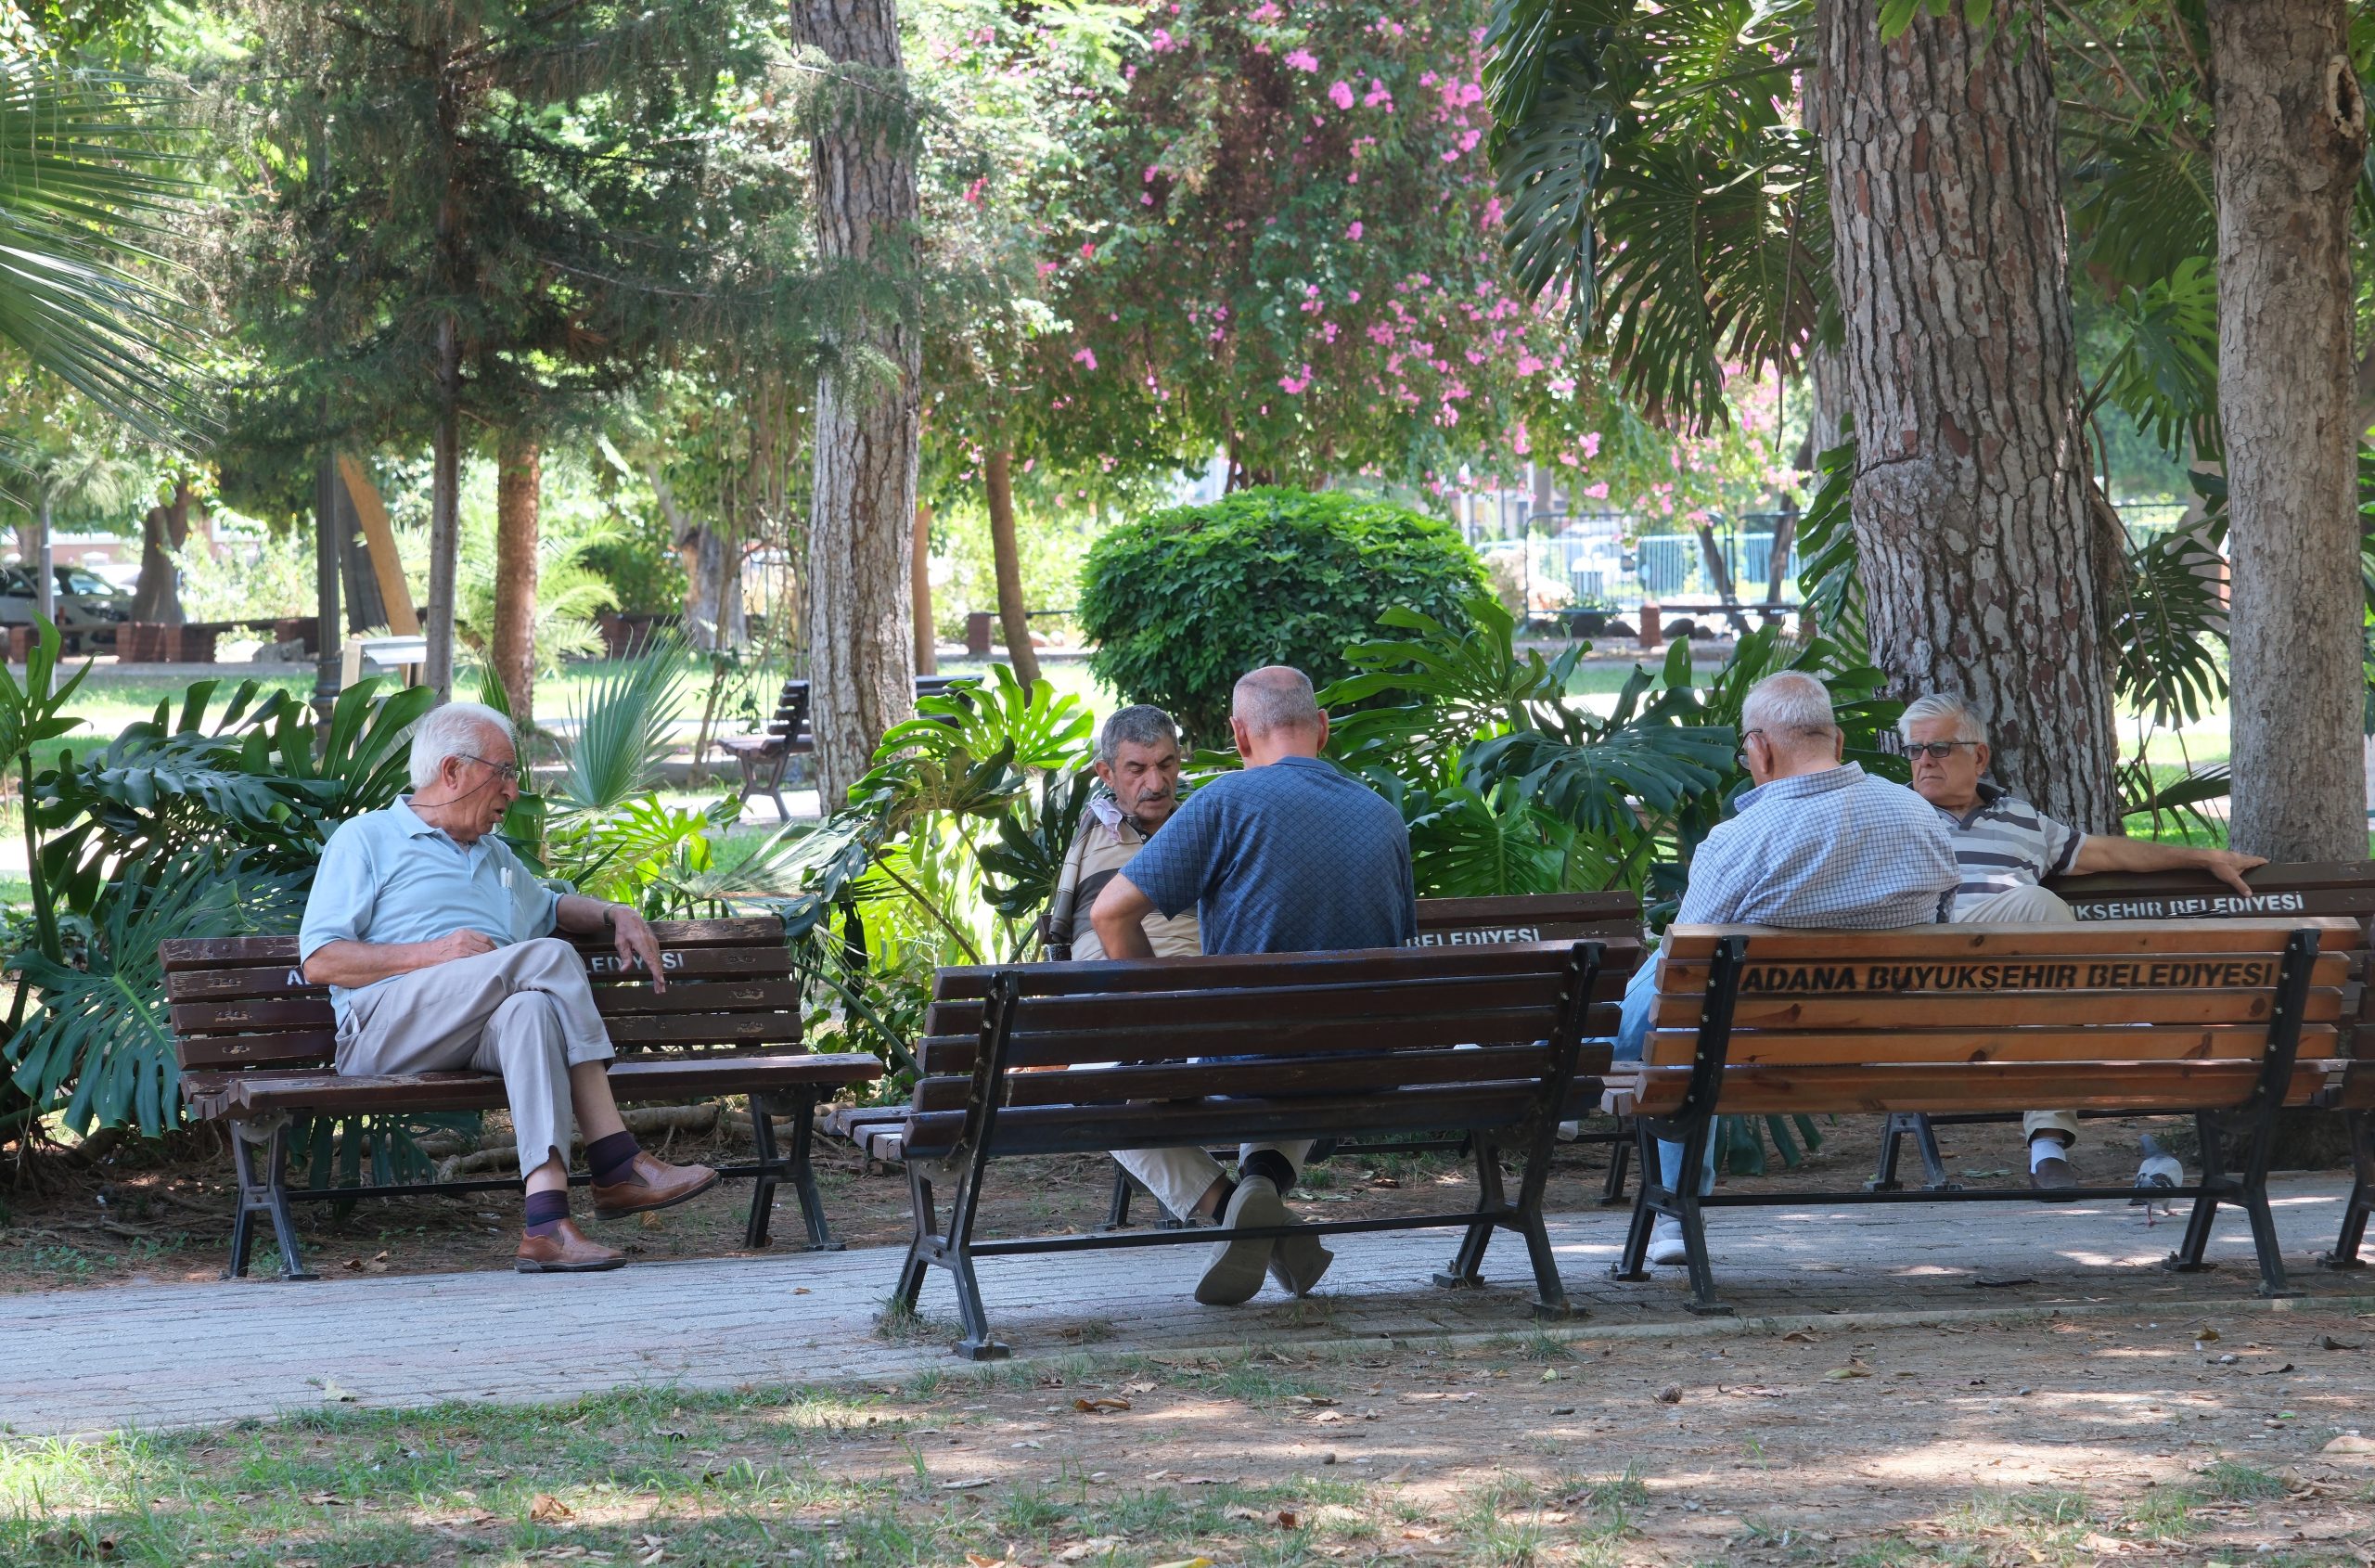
1353, 232
1087, 357
1047, 267
1293, 385
1376, 95
1088, 250
1591, 444
1341, 93
1161, 42
973, 191
1528, 365
1266, 12
1302, 60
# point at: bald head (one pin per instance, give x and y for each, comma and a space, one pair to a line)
1275, 715
1787, 727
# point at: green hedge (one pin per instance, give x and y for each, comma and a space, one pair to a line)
1183, 602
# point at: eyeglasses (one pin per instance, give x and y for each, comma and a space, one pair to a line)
508, 772
1936, 751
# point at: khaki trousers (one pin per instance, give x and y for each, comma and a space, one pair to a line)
2028, 906
524, 1012
1180, 1178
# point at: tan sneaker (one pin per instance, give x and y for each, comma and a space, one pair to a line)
650, 1184
567, 1250
1234, 1274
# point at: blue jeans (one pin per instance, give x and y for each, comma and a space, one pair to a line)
1632, 1038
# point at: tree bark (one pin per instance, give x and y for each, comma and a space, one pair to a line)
157, 597
919, 585
519, 473
329, 548
1014, 616
2289, 140
1971, 486
865, 434
444, 513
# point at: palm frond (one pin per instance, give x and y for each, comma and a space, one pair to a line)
84, 188
625, 731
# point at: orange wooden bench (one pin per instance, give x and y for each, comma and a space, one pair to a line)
2225, 1021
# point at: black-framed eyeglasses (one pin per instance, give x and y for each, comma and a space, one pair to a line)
508, 772
1936, 751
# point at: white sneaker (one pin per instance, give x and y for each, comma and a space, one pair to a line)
1665, 1243
1235, 1273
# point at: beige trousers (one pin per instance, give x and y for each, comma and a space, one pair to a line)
1180, 1178
524, 1012
2028, 906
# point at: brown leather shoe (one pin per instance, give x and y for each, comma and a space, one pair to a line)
2052, 1173
565, 1251
651, 1184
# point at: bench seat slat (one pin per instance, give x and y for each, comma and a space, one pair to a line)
1945, 1047
956, 1052
1061, 1130
2069, 1008
1864, 1090
646, 1077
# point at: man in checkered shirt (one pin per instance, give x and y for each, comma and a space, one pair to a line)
1818, 842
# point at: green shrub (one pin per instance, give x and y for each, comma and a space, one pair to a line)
1183, 602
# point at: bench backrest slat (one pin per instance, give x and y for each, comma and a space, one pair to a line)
1845, 1021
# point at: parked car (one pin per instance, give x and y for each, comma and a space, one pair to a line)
89, 606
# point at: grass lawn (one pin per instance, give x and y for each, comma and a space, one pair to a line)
1527, 1451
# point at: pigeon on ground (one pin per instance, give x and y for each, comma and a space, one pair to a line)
2159, 1169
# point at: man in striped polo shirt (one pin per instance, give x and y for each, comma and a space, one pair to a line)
2006, 848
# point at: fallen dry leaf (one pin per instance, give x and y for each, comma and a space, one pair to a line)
1798, 1336
1100, 1402
1670, 1395
1187, 1562
966, 1484
546, 1509
2350, 1442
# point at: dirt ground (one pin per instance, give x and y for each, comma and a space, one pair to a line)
149, 1214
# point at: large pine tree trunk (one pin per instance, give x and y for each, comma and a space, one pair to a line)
157, 596
865, 436
1971, 490
2291, 136
1006, 557
519, 475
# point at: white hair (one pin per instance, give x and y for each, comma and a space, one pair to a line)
456, 729
1792, 708
1942, 705
1274, 696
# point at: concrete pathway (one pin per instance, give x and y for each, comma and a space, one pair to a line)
87, 1361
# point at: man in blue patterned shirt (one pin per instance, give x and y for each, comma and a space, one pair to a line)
1289, 856
1818, 842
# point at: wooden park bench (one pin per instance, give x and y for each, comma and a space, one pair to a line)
2225, 1021
765, 757
1076, 1058
256, 1043
2344, 889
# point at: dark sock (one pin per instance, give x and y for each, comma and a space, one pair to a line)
1271, 1164
546, 1211
605, 1157
1220, 1204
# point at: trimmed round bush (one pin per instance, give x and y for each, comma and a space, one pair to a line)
1182, 602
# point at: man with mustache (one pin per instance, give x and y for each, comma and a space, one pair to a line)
1138, 761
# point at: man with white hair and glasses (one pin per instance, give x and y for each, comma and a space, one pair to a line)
2005, 849
437, 946
1817, 842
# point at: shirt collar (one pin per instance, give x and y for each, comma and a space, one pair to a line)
1988, 795
413, 827
1319, 763
1804, 786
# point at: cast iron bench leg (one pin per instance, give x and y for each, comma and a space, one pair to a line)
1620, 1155
911, 1273
803, 1174
1467, 1269
1117, 1215
2362, 1195
2187, 1258
267, 1194
1633, 1262
1901, 1125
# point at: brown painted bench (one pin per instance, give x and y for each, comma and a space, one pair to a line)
255, 1044
1466, 923
1075, 1058
2225, 1021
763, 757
2344, 889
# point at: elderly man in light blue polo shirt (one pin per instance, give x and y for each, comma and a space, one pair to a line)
438, 947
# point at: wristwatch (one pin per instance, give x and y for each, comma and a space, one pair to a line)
610, 916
